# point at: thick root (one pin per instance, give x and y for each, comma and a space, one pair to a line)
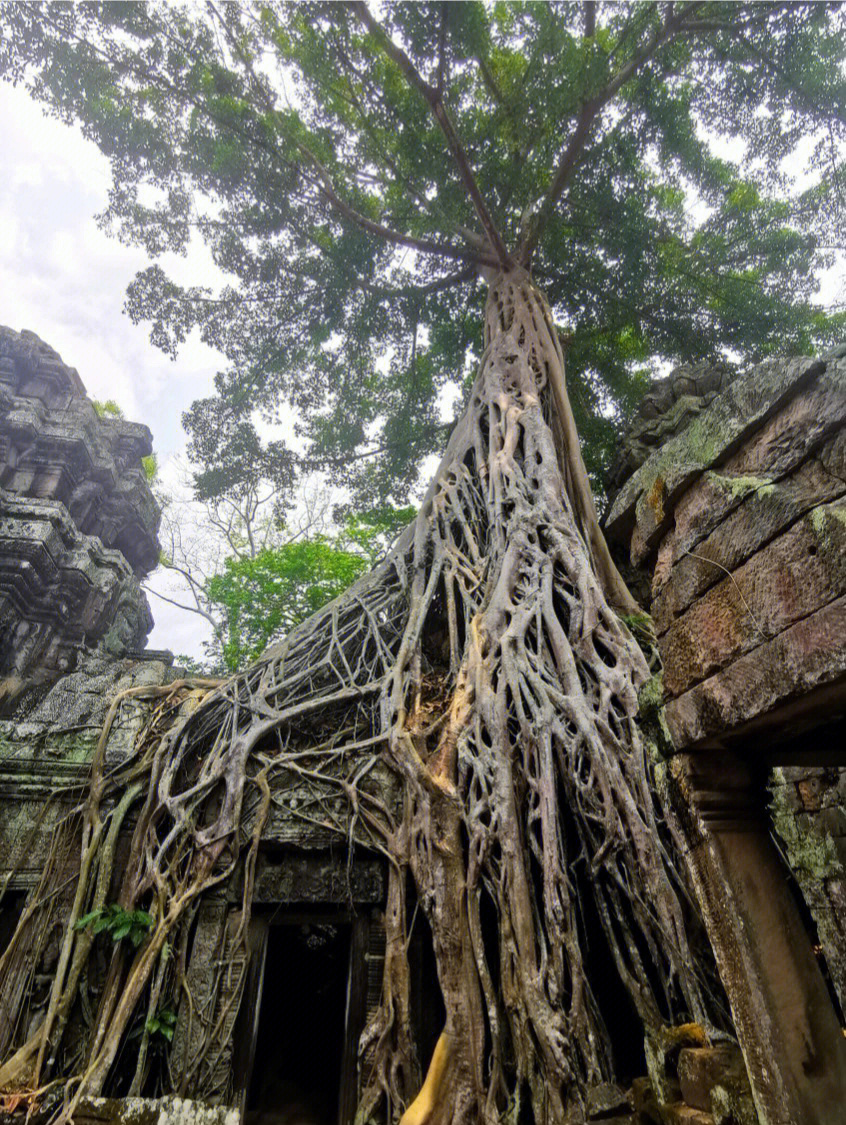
432, 1104
474, 701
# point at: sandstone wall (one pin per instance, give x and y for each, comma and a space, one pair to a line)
739, 519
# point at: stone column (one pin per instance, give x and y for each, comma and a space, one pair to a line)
790, 1036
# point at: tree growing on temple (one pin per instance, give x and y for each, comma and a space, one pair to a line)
467, 192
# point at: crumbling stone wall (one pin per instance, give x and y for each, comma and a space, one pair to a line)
739, 521
809, 814
78, 522
667, 408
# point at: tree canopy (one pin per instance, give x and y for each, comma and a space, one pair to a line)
352, 171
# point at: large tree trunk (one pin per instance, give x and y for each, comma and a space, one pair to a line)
482, 663
539, 765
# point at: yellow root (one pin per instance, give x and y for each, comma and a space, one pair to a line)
17, 1072
431, 1092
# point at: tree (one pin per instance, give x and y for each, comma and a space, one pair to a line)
254, 575
200, 535
358, 177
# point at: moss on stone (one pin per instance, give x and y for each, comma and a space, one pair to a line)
811, 853
821, 519
643, 630
652, 720
651, 696
738, 487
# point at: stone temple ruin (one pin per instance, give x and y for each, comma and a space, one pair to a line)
728, 516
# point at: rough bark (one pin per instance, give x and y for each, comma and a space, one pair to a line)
483, 664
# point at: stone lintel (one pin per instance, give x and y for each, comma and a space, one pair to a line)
807, 656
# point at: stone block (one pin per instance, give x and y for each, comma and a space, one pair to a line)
796, 429
810, 791
789, 579
808, 655
733, 1106
765, 512
678, 1113
606, 1101
710, 439
643, 1101
153, 1111
702, 1068
662, 1054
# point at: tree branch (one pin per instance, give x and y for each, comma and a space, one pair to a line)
670, 27
589, 14
439, 83
433, 99
187, 608
326, 186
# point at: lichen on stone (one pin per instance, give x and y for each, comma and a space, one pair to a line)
813, 853
739, 487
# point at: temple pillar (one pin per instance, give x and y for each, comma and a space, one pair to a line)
786, 1023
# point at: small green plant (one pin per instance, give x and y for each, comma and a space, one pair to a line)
159, 1026
117, 923
163, 1023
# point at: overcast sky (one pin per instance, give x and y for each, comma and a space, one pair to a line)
63, 279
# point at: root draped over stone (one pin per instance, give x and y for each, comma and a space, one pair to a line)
468, 710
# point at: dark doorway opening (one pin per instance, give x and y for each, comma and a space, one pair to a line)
299, 1048
11, 908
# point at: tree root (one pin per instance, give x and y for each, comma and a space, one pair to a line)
468, 710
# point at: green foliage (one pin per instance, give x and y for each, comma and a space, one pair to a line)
163, 1024
106, 409
190, 665
118, 923
150, 464
110, 409
659, 248
268, 594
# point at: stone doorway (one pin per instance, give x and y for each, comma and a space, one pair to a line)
297, 1002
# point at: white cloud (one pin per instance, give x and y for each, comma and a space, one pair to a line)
61, 277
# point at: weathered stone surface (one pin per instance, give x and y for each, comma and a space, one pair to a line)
201, 983
799, 427
791, 578
740, 520
153, 1111
667, 408
813, 420
324, 878
731, 1105
33, 368
643, 1100
803, 799
662, 1053
804, 657
764, 513
604, 1100
700, 1069
677, 1113
60, 591
46, 748
645, 501
78, 523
